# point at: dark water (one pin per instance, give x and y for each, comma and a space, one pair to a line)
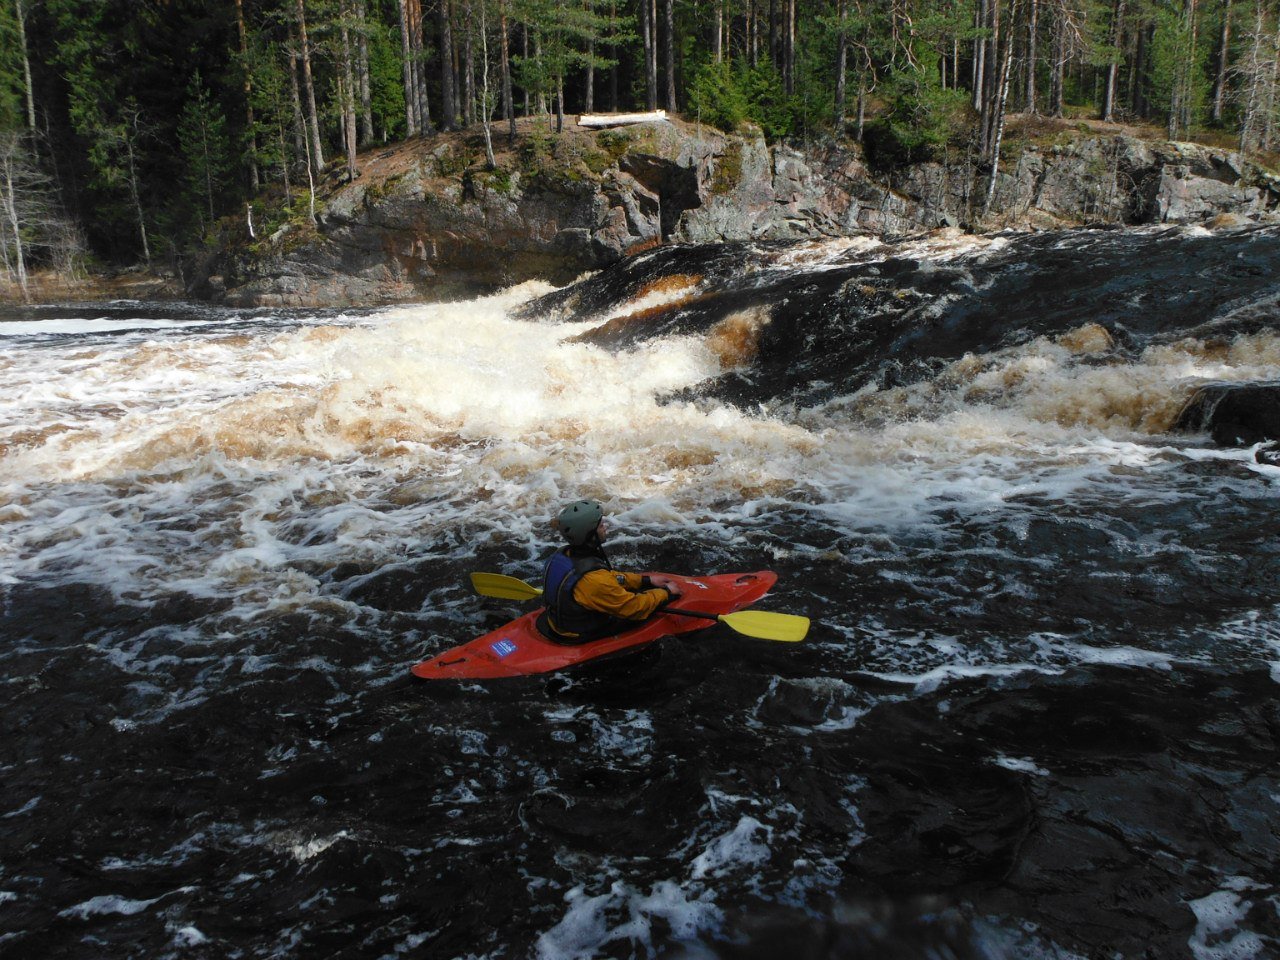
1036, 715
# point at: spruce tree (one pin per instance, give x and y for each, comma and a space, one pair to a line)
202, 141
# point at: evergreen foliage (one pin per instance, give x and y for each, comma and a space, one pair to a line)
202, 139
158, 119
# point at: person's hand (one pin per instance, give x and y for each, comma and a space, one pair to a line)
668, 584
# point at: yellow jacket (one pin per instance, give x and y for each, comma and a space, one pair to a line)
618, 594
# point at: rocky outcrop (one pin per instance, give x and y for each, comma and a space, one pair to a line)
426, 220
1104, 179
1234, 414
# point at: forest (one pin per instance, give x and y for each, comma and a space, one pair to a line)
129, 128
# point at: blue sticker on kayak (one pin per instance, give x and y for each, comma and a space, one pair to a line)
503, 648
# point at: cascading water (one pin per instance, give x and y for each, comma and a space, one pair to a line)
1035, 716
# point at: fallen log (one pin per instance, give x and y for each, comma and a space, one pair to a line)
599, 120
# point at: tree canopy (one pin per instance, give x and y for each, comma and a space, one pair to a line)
143, 123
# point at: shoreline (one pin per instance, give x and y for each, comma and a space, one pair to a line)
50, 287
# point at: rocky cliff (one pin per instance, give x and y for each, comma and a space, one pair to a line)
426, 219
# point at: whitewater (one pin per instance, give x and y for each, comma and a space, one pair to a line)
1035, 715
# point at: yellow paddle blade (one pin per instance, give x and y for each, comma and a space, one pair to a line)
505, 588
786, 627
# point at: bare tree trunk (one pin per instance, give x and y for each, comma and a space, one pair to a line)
311, 185
300, 147
208, 168
247, 88
1113, 67
647, 41
653, 50
469, 77
407, 75
717, 32
842, 58
542, 93
979, 53
1002, 97
991, 91
317, 152
862, 110
11, 214
284, 158
508, 107
26, 65
1180, 100
1188, 83
524, 38
468, 67
1138, 96
1032, 26
362, 63
346, 92
1193, 27
589, 81
669, 53
423, 71
486, 111
135, 193
788, 43
613, 49
4, 259
1224, 59
1272, 91
449, 105
1058, 66
1249, 70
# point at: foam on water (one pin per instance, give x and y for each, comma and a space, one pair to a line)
745, 845
108, 903
241, 465
1220, 915
72, 325
621, 919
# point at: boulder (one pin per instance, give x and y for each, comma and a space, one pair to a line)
1234, 414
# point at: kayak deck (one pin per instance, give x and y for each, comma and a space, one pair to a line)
519, 649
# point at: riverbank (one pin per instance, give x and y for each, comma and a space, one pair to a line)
428, 220
47, 286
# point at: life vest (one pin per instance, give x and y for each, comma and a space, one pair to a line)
570, 621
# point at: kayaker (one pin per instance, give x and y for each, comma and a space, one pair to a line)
586, 598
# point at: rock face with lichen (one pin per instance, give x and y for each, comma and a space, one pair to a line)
1101, 180
426, 220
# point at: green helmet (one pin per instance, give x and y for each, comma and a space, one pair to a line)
579, 520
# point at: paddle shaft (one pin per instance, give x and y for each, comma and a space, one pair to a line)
689, 613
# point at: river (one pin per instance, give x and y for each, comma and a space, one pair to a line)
1035, 716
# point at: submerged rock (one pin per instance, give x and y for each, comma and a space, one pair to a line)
1235, 414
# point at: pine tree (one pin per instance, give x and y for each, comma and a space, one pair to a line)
567, 35
202, 141
1178, 80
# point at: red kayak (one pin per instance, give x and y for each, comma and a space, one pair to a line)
518, 649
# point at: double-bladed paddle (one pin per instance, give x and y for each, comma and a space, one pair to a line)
785, 627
